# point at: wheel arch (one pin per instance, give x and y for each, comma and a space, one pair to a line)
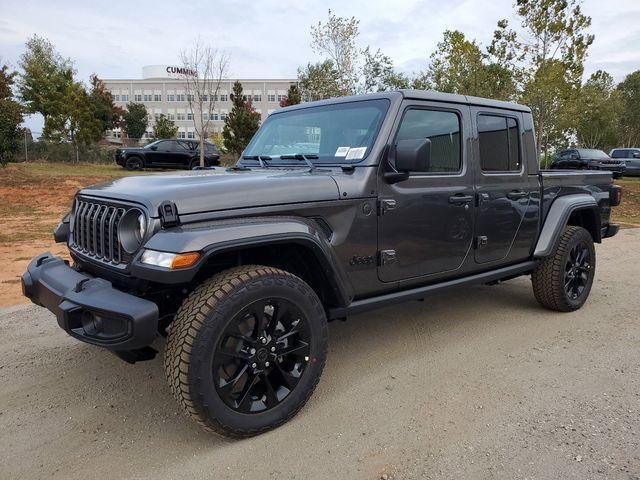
296, 245
578, 210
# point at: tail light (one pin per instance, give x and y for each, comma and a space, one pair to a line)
615, 196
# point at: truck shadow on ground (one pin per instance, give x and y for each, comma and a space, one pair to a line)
138, 398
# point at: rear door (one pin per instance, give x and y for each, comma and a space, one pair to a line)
503, 188
426, 221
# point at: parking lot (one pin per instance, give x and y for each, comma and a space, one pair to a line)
475, 383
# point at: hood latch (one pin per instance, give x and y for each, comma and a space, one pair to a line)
168, 214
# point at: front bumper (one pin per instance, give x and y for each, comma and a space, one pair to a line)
90, 309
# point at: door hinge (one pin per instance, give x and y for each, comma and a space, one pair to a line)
168, 214
385, 205
481, 241
386, 257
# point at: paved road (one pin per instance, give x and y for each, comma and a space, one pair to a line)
475, 383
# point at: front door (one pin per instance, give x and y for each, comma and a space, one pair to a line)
503, 187
426, 221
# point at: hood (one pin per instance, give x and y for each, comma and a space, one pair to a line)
219, 189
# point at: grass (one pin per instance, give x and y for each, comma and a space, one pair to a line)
627, 214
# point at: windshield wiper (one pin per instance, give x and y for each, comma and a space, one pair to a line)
307, 157
260, 158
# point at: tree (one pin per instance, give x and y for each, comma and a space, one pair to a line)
164, 128
596, 112
45, 77
555, 45
293, 96
73, 120
241, 123
10, 117
135, 120
378, 73
105, 110
319, 81
459, 65
629, 93
204, 68
337, 39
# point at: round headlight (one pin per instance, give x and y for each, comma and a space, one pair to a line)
131, 230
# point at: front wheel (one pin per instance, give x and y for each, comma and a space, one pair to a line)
246, 350
134, 163
563, 281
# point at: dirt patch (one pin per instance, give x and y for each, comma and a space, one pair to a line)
628, 212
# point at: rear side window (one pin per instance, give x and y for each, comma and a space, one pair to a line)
443, 129
499, 144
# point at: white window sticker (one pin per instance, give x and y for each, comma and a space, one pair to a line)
342, 152
356, 153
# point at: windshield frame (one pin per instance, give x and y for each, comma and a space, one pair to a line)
275, 160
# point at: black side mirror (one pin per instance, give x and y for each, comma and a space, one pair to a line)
574, 156
408, 156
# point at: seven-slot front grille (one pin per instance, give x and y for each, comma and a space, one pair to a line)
95, 231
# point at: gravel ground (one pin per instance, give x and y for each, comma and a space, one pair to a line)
475, 383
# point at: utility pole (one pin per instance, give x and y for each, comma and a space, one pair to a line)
26, 158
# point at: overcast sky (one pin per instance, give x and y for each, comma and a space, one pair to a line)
270, 38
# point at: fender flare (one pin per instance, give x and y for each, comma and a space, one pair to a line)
216, 237
557, 218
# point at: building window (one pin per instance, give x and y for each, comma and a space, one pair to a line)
191, 135
499, 143
215, 116
205, 116
171, 116
189, 116
271, 98
137, 97
116, 98
147, 98
442, 129
190, 98
205, 98
257, 98
157, 116
171, 98
180, 116
125, 98
180, 97
223, 116
281, 97
157, 98
224, 97
182, 135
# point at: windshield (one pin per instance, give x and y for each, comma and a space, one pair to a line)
592, 153
342, 132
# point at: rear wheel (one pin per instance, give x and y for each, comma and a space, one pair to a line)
134, 163
246, 350
563, 281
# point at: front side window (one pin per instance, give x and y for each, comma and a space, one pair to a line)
499, 144
342, 132
443, 129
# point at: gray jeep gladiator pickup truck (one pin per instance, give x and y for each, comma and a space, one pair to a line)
335, 208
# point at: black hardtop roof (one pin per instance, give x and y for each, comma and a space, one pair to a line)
419, 95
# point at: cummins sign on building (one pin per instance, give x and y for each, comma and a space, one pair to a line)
162, 90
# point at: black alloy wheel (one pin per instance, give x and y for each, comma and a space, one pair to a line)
577, 270
262, 355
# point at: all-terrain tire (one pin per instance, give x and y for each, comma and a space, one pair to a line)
196, 332
549, 277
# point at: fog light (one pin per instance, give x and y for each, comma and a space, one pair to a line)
91, 324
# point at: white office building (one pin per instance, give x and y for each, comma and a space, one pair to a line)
162, 90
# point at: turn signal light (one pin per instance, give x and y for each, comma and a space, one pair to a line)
184, 260
615, 196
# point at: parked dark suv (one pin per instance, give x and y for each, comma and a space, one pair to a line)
588, 159
631, 157
168, 154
